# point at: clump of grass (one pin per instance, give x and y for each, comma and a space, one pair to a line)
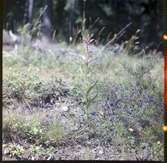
30, 127
88, 154
29, 88
55, 131
15, 125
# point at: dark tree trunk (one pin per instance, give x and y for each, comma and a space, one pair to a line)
28, 11
8, 20
47, 27
71, 20
25, 21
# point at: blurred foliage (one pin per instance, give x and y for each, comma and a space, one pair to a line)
104, 18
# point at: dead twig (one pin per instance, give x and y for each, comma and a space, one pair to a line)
117, 36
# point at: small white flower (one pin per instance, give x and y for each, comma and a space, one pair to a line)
70, 39
65, 108
101, 151
131, 129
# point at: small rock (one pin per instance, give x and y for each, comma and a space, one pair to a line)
65, 108
101, 151
131, 129
6, 151
51, 157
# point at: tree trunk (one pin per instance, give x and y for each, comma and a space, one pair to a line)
28, 11
47, 27
71, 20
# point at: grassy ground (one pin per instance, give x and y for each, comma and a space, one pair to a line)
70, 103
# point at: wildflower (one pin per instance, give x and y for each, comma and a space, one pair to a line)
131, 129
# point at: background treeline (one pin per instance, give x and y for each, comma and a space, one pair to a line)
104, 18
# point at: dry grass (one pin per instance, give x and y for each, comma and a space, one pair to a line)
43, 102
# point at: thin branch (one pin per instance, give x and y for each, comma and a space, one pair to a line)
118, 35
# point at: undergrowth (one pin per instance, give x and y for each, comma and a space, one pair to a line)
120, 96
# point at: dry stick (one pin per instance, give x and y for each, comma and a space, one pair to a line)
100, 32
42, 12
108, 36
29, 107
40, 16
125, 28
91, 27
77, 132
118, 35
83, 17
121, 34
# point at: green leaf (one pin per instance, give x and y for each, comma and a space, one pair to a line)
90, 100
90, 88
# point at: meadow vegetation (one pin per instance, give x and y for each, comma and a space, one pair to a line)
82, 102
